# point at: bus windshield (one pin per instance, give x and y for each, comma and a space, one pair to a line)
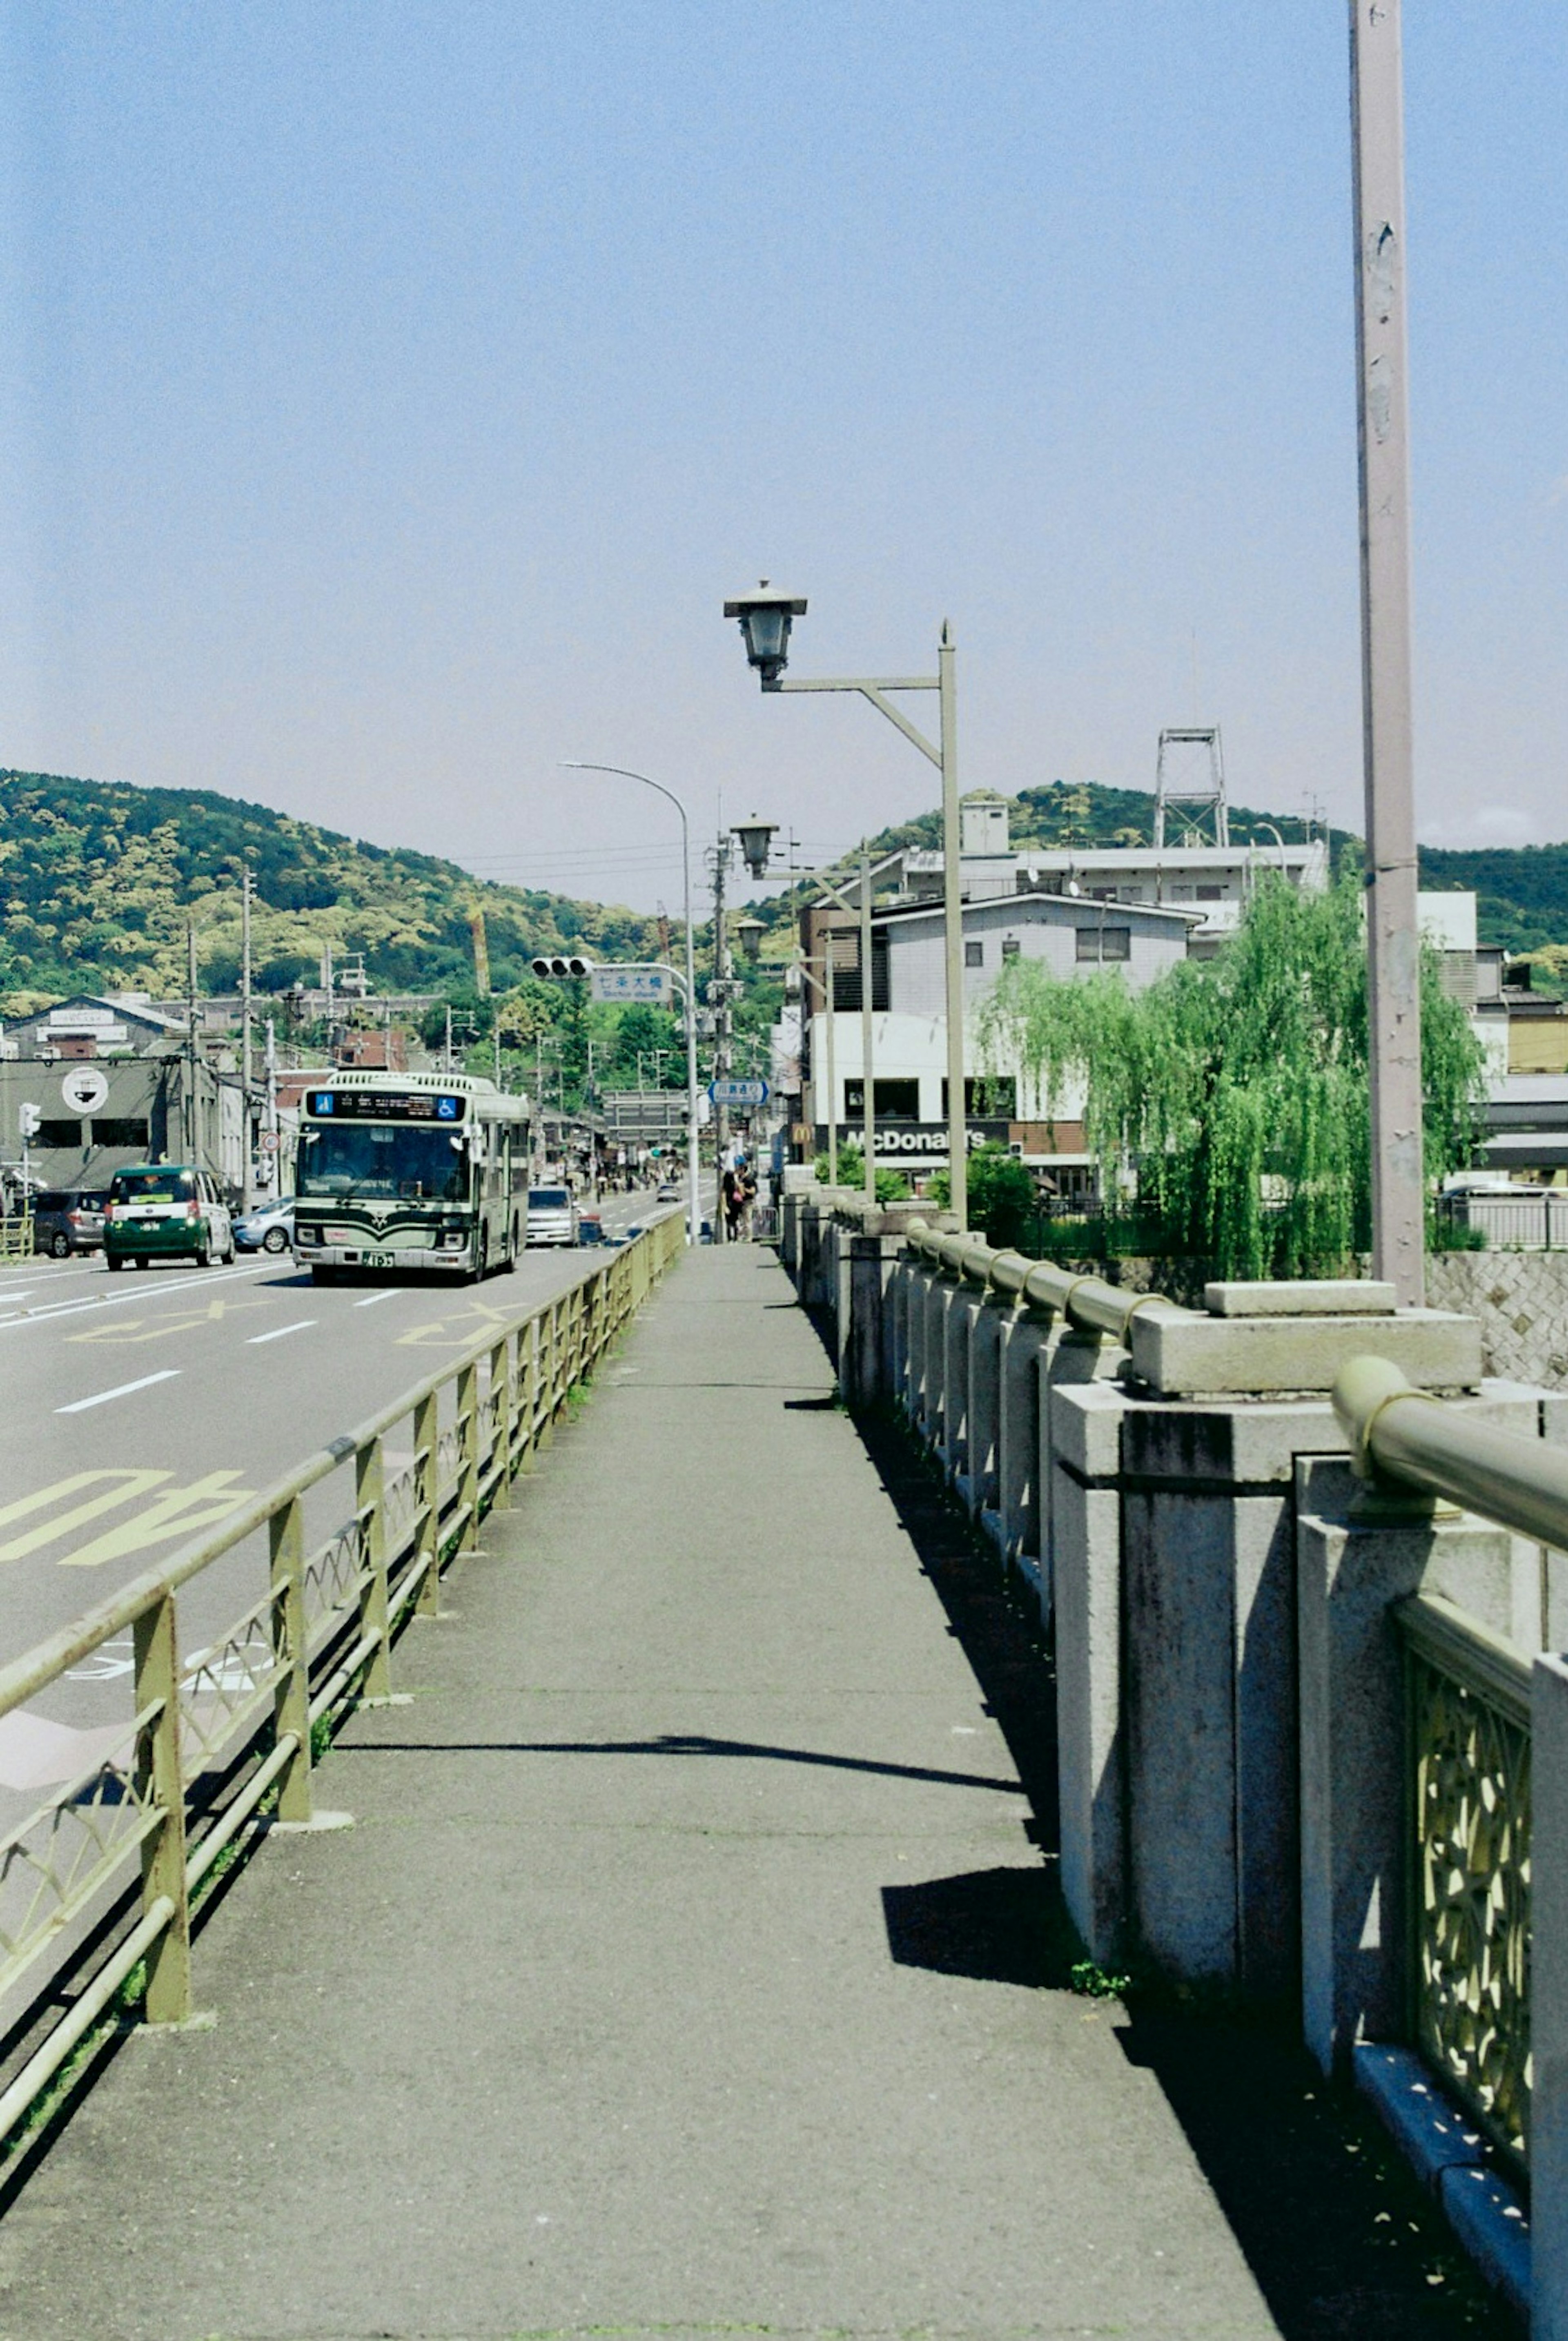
383, 1159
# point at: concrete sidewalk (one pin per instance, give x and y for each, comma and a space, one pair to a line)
670, 1980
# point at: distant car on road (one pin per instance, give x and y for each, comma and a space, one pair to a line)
67, 1220
551, 1216
163, 1210
269, 1228
590, 1227
669, 1193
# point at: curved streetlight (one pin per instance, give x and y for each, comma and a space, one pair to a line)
623, 772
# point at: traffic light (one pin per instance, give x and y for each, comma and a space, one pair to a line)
30, 1119
562, 968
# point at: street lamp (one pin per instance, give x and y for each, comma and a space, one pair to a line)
756, 839
766, 618
693, 1198
750, 931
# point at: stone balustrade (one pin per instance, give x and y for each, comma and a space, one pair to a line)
1222, 1590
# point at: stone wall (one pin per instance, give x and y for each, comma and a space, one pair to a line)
1521, 1300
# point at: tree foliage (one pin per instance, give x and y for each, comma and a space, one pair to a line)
1234, 1090
1002, 1196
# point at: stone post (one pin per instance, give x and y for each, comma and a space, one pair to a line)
1014, 1525
984, 1321
872, 1262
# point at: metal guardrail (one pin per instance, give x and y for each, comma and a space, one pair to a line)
210, 1741
17, 1237
1085, 1300
1509, 1222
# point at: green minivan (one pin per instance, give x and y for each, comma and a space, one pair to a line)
165, 1211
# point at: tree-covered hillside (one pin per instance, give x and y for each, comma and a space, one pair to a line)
1523, 891
98, 881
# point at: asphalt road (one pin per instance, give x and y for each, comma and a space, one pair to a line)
142, 1407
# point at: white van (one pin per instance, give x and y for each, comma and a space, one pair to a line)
551, 1216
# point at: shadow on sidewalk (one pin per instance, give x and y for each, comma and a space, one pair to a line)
1341, 2239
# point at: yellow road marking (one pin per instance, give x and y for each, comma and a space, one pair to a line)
423, 1337
129, 1328
124, 1484
173, 1511
178, 1511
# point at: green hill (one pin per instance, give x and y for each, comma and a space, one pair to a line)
98, 881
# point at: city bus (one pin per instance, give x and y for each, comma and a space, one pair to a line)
399, 1171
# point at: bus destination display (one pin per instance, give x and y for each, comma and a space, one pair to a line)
377, 1105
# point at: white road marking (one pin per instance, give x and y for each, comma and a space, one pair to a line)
390, 1294
122, 1389
49, 1311
300, 1325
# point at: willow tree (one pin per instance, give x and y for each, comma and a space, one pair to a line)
1233, 1090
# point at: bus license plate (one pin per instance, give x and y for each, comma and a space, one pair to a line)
378, 1260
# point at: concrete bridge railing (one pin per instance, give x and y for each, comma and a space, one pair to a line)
1298, 1556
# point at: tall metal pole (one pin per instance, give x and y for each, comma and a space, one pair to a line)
958, 1140
720, 1028
693, 1190
193, 1141
867, 1101
275, 1150
245, 1064
1393, 936
830, 1005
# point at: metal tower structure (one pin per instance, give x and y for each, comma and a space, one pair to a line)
1189, 783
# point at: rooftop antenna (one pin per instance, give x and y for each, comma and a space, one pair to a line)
1189, 784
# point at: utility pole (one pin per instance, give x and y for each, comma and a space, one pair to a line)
447, 1063
868, 1097
191, 1057
331, 1005
720, 862
246, 1140
275, 1150
1392, 933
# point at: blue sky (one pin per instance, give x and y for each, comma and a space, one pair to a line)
394, 392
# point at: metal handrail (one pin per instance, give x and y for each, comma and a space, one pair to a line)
371, 1573
1417, 1440
1084, 1300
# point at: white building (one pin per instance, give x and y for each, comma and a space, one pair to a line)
910, 1025
1212, 881
1136, 909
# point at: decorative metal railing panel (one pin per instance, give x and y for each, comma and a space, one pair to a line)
227, 1687
54, 1864
1470, 1744
334, 1575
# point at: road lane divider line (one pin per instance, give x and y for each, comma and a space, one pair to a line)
123, 1390
390, 1294
49, 1311
300, 1325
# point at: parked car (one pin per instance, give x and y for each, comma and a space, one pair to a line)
67, 1220
551, 1216
590, 1227
269, 1228
163, 1210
